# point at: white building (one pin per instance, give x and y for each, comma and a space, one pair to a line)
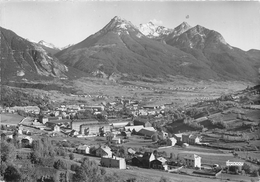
193, 160
56, 128
114, 161
172, 141
83, 149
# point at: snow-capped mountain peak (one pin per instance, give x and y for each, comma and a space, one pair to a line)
46, 44
151, 30
119, 25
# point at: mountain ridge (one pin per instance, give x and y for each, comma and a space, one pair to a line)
22, 59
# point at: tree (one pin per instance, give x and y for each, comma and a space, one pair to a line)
3, 167
73, 167
7, 151
163, 179
71, 156
256, 173
60, 164
12, 174
246, 168
3, 136
80, 175
155, 138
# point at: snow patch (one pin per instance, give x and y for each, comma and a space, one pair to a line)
139, 35
20, 73
123, 26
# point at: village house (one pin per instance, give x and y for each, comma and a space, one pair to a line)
61, 123
83, 149
147, 132
135, 128
113, 161
56, 128
144, 161
103, 151
131, 151
126, 134
44, 119
190, 139
55, 113
159, 163
192, 160
171, 141
145, 123
116, 140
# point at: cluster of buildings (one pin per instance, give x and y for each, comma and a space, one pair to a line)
26, 109
145, 160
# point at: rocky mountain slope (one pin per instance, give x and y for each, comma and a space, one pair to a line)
22, 59
210, 47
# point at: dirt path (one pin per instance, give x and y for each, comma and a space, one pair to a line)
206, 153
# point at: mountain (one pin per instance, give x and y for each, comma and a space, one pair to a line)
120, 47
22, 59
65, 47
210, 47
194, 52
153, 31
183, 27
49, 47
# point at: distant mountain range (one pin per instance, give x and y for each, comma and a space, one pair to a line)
121, 48
22, 59
150, 50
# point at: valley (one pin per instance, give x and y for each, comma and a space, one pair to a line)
128, 103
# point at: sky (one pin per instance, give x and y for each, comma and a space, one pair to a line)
69, 22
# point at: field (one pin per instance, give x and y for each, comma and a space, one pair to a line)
11, 119
179, 91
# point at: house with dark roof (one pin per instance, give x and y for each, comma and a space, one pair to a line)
144, 161
159, 163
145, 123
190, 139
147, 132
104, 151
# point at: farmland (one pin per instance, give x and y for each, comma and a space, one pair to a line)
11, 119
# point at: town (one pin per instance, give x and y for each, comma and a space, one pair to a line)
125, 134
